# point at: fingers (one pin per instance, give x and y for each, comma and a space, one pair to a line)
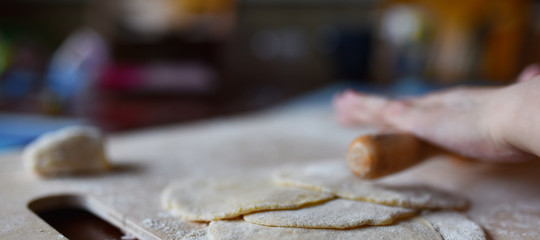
408, 115
411, 115
346, 105
529, 73
354, 108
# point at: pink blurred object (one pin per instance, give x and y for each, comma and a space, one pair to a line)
179, 77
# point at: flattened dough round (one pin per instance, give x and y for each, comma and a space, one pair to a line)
241, 230
214, 198
333, 177
335, 214
455, 226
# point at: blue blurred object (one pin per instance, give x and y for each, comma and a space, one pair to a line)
19, 130
76, 63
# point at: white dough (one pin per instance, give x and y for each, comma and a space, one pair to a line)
415, 228
454, 226
335, 214
69, 150
214, 198
333, 176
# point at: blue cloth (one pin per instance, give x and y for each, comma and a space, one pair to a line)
19, 130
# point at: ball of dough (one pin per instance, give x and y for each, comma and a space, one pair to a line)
70, 150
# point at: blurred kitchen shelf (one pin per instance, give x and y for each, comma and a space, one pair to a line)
44, 2
311, 2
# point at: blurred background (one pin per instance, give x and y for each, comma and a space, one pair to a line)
128, 64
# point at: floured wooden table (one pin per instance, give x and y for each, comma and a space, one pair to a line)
505, 199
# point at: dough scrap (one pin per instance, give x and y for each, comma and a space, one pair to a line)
415, 228
70, 150
334, 214
334, 177
214, 198
454, 226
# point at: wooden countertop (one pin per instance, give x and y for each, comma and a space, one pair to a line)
505, 197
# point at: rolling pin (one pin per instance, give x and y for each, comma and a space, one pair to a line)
378, 155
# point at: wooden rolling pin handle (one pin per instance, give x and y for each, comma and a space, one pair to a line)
378, 155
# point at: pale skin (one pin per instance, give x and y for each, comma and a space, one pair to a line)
487, 123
